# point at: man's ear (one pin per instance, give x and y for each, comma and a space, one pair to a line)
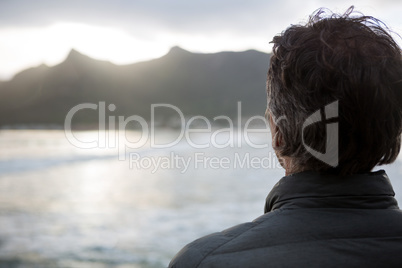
277, 138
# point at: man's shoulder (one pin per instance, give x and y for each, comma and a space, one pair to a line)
195, 253
295, 237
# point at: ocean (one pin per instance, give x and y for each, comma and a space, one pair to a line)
98, 199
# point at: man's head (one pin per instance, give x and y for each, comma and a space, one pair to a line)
345, 58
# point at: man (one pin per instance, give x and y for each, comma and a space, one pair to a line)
334, 106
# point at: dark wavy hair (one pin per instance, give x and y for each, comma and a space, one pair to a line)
349, 58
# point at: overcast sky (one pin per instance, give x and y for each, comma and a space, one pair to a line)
123, 31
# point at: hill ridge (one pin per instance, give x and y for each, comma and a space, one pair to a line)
199, 84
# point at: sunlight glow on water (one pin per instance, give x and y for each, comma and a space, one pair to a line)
71, 207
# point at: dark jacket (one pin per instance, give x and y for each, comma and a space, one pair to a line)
311, 220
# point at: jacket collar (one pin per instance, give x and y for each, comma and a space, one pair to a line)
315, 190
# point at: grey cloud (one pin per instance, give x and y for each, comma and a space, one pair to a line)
184, 16
144, 18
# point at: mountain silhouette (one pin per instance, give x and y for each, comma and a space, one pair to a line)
198, 84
